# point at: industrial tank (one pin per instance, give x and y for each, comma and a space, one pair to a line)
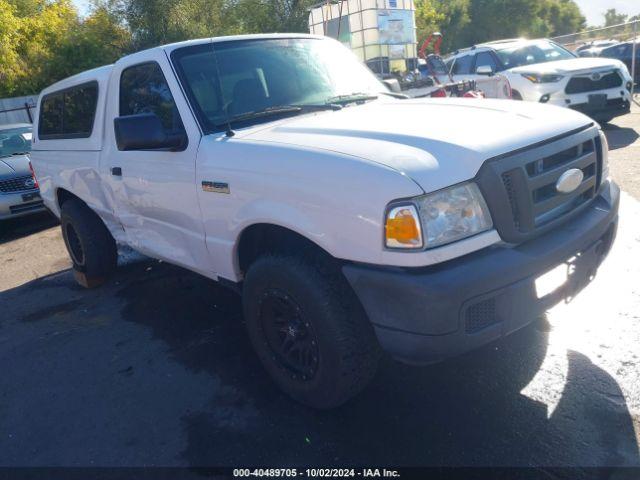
382, 33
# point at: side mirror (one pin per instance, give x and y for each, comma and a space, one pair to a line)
484, 70
392, 85
144, 131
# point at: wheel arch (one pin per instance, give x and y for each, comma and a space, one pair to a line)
262, 238
63, 195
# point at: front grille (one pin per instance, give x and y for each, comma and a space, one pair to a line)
583, 84
16, 184
520, 188
481, 315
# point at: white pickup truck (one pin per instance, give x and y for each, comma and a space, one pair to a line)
352, 222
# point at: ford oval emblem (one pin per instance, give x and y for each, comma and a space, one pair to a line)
569, 180
29, 183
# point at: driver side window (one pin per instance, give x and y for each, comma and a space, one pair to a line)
144, 89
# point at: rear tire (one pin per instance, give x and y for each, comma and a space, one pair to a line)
309, 330
91, 247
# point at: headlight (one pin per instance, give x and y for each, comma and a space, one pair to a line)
605, 155
538, 78
444, 216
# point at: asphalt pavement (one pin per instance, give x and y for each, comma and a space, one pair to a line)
154, 369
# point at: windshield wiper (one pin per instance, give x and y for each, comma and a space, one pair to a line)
20, 153
279, 110
267, 112
351, 98
401, 96
320, 106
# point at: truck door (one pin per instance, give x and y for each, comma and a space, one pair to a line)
154, 191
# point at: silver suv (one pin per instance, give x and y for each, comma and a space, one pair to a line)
19, 193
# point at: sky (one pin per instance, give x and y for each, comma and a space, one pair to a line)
592, 9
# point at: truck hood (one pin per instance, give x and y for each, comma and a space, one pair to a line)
17, 164
435, 142
572, 66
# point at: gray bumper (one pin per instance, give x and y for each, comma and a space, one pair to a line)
425, 315
13, 205
613, 108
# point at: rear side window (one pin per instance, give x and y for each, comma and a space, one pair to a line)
144, 89
68, 113
462, 65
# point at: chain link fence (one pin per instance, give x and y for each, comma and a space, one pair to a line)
617, 41
17, 109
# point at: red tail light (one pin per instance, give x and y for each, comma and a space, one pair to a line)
440, 93
33, 174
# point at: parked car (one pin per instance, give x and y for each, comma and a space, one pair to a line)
350, 221
593, 49
623, 52
19, 193
543, 71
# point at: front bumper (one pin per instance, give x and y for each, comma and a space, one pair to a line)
618, 99
425, 315
613, 108
13, 205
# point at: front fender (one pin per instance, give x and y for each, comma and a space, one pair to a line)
335, 200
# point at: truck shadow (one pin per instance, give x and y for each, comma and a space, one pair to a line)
467, 411
23, 226
620, 137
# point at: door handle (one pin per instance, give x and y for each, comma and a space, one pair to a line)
116, 171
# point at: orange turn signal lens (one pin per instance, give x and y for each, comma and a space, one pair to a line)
403, 228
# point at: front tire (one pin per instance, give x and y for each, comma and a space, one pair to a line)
91, 247
308, 330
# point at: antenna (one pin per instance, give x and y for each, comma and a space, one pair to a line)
229, 133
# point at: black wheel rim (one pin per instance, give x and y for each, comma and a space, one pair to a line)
289, 335
75, 247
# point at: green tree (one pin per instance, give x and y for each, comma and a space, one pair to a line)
428, 19
97, 40
10, 65
270, 16
456, 19
612, 17
43, 41
157, 22
486, 20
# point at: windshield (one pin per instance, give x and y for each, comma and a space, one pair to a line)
262, 74
15, 141
539, 51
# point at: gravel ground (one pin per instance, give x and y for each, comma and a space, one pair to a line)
154, 368
624, 141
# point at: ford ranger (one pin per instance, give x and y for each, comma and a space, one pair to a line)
352, 222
